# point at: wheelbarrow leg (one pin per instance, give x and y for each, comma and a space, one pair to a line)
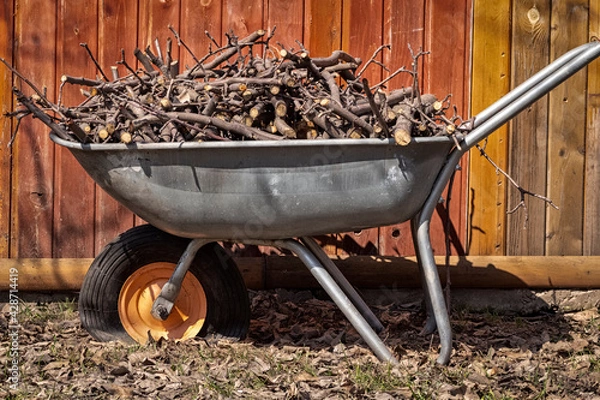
430, 325
434, 290
163, 305
341, 280
341, 300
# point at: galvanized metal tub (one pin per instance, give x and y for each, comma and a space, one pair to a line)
266, 189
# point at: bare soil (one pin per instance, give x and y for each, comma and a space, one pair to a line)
301, 347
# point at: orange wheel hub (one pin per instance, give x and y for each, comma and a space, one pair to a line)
137, 297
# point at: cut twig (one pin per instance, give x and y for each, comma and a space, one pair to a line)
235, 92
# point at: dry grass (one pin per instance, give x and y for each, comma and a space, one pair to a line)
301, 347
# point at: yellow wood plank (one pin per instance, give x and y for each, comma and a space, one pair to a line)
490, 80
591, 221
566, 135
536, 272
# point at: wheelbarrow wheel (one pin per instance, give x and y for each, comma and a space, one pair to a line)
120, 287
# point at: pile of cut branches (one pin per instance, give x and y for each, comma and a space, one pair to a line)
246, 89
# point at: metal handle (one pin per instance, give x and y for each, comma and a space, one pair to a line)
496, 115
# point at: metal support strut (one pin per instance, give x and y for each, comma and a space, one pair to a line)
336, 293
163, 305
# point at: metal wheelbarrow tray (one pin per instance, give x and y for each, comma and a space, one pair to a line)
267, 192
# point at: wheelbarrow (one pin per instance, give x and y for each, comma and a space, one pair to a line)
171, 279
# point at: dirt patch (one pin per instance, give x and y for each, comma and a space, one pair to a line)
301, 347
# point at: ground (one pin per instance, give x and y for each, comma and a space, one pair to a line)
301, 347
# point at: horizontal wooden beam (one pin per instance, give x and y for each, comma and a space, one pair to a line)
543, 272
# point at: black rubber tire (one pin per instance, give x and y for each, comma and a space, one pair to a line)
228, 306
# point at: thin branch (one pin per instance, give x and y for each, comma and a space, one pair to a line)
523, 192
87, 48
372, 59
181, 43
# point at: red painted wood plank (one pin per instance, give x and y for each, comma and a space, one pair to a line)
33, 160
242, 16
154, 19
446, 71
74, 190
322, 36
288, 17
117, 29
6, 31
196, 19
404, 25
322, 26
362, 34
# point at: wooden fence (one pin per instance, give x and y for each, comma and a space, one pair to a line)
553, 148
48, 205
50, 208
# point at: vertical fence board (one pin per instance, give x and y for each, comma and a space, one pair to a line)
6, 105
446, 72
566, 135
591, 242
322, 26
117, 29
32, 176
242, 16
154, 19
404, 25
322, 36
528, 131
288, 17
490, 79
74, 190
196, 19
362, 34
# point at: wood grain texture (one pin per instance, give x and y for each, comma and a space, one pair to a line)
490, 80
288, 18
74, 210
32, 206
117, 19
154, 18
196, 19
322, 36
322, 26
362, 34
535, 272
566, 135
364, 272
404, 26
591, 222
528, 131
243, 16
6, 105
447, 72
